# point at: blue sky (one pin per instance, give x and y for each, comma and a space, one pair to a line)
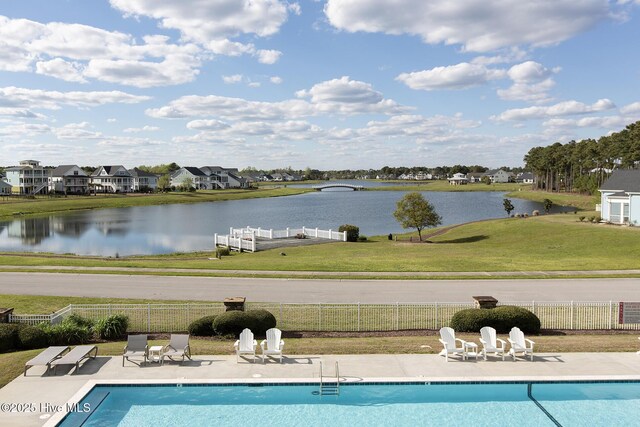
323, 84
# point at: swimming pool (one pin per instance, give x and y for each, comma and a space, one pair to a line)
398, 404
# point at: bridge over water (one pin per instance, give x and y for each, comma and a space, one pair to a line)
338, 185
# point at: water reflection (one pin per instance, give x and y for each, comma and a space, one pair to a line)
187, 228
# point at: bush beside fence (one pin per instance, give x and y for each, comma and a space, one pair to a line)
340, 317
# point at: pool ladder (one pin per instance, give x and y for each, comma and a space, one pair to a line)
330, 387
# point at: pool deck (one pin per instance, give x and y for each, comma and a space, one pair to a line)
43, 392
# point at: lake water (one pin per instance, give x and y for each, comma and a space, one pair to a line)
186, 228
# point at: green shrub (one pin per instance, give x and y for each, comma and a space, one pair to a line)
31, 337
232, 322
66, 333
202, 327
581, 218
222, 251
9, 336
362, 238
502, 319
352, 232
111, 327
262, 321
77, 320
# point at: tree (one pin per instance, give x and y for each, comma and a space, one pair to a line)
485, 180
164, 182
187, 184
414, 211
547, 205
508, 206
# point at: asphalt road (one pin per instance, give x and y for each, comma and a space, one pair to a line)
315, 291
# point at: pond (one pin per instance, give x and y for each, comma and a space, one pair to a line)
190, 227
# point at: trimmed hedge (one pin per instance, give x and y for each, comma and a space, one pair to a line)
502, 319
9, 336
66, 333
233, 322
202, 327
31, 337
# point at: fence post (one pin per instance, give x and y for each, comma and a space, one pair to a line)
149, 318
319, 314
280, 319
253, 243
358, 316
287, 231
437, 322
533, 307
610, 314
571, 314
316, 231
344, 236
397, 316
109, 309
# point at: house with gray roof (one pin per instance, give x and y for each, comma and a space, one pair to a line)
28, 178
199, 180
143, 180
5, 188
620, 197
111, 179
69, 179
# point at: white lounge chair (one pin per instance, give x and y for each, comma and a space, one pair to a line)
273, 345
519, 344
448, 340
75, 356
490, 343
136, 346
178, 347
46, 357
246, 345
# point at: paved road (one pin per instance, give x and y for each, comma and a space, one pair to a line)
298, 290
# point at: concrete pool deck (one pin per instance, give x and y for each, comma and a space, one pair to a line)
42, 393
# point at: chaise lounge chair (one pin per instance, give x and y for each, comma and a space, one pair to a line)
136, 346
273, 345
448, 340
245, 345
519, 344
490, 342
75, 356
178, 347
46, 357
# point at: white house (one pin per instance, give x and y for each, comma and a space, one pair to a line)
458, 179
143, 180
525, 178
221, 178
474, 177
5, 188
69, 179
199, 180
620, 197
28, 178
499, 175
111, 179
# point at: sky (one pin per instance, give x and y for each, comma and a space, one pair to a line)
334, 84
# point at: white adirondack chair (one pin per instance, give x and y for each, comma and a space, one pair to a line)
519, 344
448, 340
273, 345
490, 343
245, 345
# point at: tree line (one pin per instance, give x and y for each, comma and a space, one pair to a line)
583, 166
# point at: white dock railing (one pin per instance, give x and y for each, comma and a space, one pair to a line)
245, 238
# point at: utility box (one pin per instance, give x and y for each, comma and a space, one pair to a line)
234, 303
485, 301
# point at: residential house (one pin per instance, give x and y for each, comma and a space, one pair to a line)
69, 179
199, 180
474, 177
499, 175
525, 178
5, 188
422, 176
28, 178
111, 179
143, 180
458, 179
620, 197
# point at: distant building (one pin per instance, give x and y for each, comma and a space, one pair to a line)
5, 188
69, 179
474, 177
28, 178
499, 175
199, 180
111, 179
458, 179
525, 178
143, 180
620, 197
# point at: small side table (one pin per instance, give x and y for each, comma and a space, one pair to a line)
471, 349
155, 354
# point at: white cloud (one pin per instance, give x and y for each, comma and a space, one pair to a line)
565, 108
235, 78
61, 69
76, 132
75, 52
631, 108
254, 84
607, 122
477, 25
15, 97
21, 113
531, 82
276, 80
459, 76
145, 128
112, 120
268, 56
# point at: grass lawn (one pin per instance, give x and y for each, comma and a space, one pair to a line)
44, 205
580, 201
548, 242
12, 364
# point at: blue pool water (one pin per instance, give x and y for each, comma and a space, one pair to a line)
485, 404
